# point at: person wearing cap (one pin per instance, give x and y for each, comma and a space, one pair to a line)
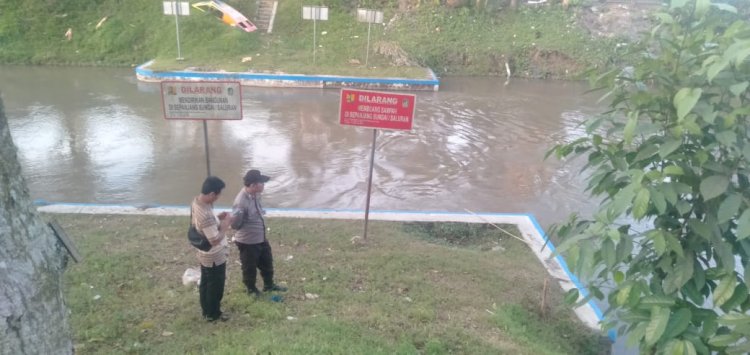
250, 235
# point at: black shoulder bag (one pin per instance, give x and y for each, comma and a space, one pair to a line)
195, 237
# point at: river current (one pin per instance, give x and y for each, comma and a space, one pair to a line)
97, 135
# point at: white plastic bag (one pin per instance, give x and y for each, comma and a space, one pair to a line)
191, 275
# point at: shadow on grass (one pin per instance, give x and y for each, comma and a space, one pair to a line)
469, 235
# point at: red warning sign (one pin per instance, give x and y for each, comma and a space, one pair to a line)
376, 109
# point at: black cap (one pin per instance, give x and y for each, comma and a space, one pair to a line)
254, 176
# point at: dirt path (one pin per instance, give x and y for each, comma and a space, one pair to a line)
622, 20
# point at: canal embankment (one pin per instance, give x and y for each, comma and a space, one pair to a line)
544, 41
283, 80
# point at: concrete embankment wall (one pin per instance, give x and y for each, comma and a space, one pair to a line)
294, 80
531, 233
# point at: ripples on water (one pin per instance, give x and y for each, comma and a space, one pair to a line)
97, 135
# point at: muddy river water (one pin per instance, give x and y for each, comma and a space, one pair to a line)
97, 135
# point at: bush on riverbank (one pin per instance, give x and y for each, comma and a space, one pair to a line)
395, 294
536, 42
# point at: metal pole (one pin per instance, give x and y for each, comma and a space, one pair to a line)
369, 180
205, 142
176, 11
367, 56
315, 31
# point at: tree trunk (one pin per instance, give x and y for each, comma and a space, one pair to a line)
514, 4
33, 315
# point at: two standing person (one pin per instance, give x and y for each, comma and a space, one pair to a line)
250, 238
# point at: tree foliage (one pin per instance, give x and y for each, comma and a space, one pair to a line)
670, 160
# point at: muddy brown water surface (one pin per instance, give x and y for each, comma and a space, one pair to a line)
97, 135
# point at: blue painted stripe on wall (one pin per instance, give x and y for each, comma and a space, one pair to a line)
582, 289
42, 202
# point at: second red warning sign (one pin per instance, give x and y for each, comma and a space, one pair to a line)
376, 109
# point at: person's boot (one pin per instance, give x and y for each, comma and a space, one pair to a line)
223, 317
274, 287
254, 292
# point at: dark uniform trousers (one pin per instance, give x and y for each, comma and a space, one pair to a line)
255, 256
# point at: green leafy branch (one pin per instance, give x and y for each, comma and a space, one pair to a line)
672, 156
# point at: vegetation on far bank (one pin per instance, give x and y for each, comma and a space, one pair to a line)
544, 41
412, 288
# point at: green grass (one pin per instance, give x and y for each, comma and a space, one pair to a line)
403, 292
537, 42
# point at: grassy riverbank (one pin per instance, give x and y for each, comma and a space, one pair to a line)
413, 288
535, 41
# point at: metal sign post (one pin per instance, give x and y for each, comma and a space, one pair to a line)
181, 8
375, 110
315, 35
315, 13
202, 100
205, 143
369, 16
369, 181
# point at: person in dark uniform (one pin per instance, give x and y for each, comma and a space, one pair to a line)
250, 235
